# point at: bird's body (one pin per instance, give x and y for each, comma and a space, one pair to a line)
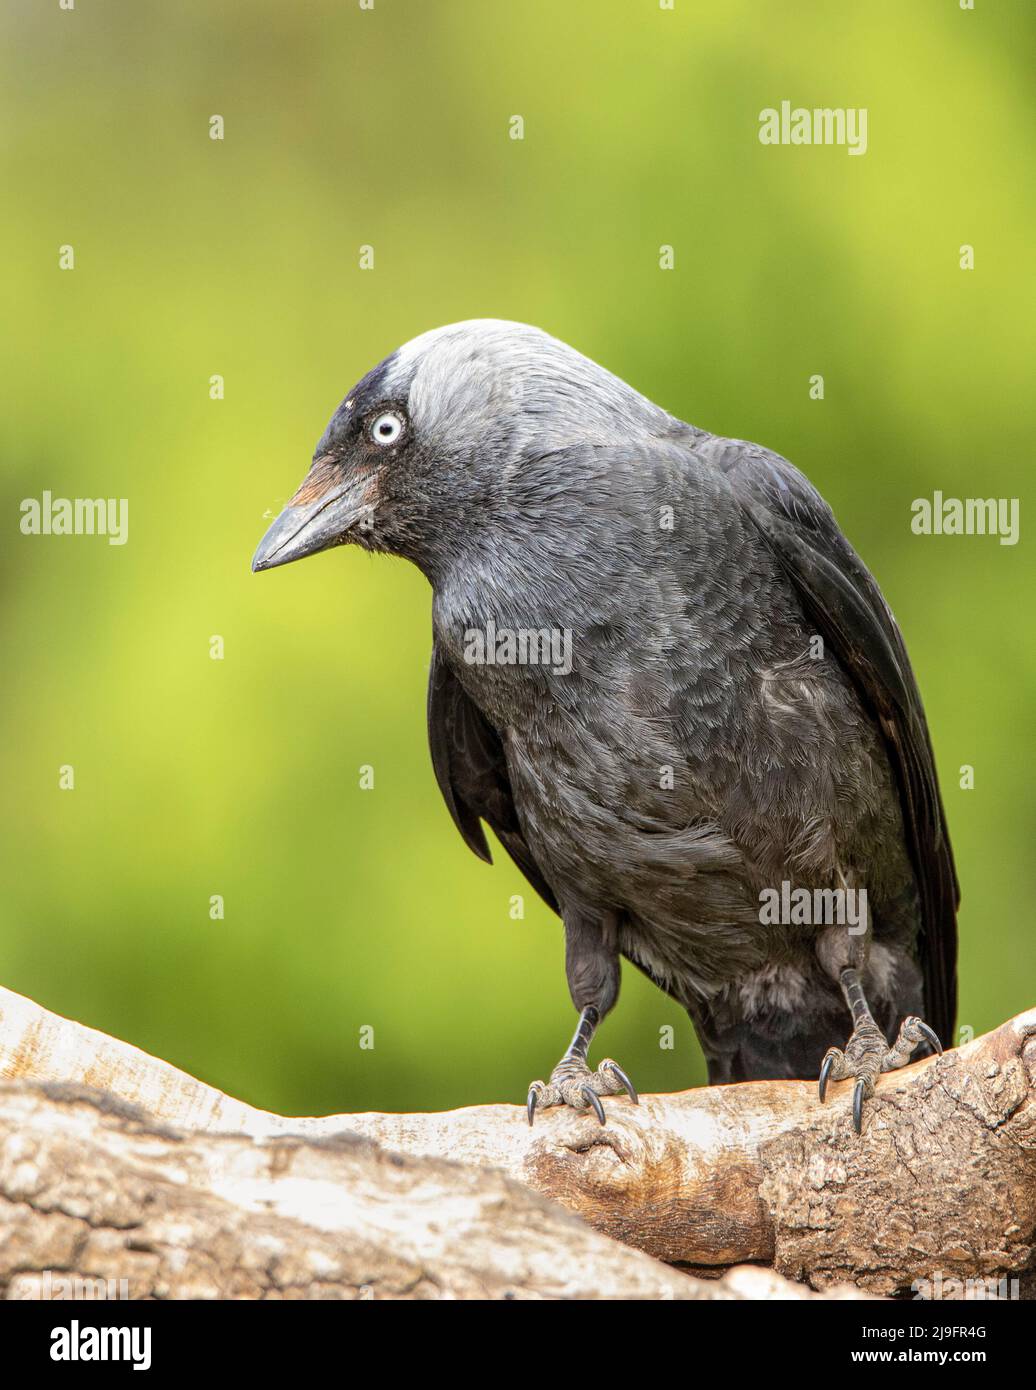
734, 717
695, 755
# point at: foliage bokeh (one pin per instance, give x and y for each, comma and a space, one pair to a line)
389, 127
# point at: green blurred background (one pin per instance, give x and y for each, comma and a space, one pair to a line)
240, 777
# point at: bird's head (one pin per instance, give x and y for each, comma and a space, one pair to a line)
461, 426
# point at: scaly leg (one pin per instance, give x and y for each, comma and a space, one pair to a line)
573, 1083
592, 968
867, 1053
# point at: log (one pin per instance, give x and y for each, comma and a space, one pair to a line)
99, 1200
942, 1182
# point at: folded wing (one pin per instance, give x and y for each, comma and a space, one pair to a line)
844, 601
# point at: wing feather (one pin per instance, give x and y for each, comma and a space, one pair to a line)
843, 599
471, 770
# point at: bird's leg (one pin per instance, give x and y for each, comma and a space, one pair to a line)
592, 966
864, 1051
867, 1053
573, 1083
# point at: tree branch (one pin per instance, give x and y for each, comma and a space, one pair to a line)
943, 1179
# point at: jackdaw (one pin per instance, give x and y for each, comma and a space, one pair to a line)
667, 682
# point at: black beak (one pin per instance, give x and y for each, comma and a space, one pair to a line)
320, 515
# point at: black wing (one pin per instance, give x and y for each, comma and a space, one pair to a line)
843, 599
469, 763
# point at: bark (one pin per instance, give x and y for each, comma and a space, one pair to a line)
942, 1181
91, 1189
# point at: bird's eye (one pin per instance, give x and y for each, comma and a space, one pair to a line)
387, 428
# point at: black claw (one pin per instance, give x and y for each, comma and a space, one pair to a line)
630, 1088
530, 1104
930, 1036
825, 1074
592, 1098
858, 1105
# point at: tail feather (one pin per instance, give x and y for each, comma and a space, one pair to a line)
780, 1044
746, 1052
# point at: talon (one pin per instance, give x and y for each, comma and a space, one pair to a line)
825, 1075
621, 1076
858, 1094
592, 1098
530, 1104
930, 1036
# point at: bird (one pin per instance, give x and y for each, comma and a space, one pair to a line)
665, 680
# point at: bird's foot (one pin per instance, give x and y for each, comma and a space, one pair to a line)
912, 1032
867, 1054
573, 1083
